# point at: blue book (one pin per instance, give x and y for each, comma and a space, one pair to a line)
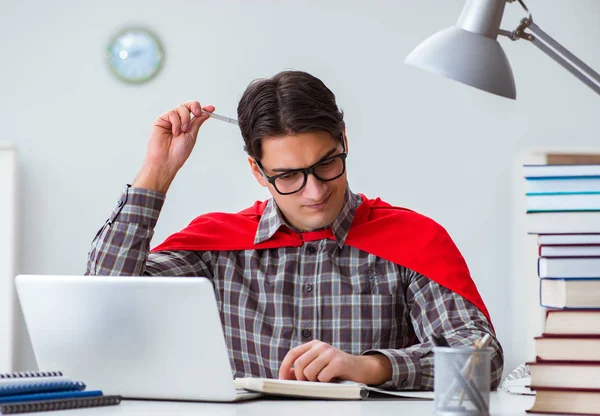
569, 267
560, 171
570, 293
562, 201
43, 387
49, 396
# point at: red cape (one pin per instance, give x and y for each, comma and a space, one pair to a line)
396, 234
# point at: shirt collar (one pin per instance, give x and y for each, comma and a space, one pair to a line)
272, 219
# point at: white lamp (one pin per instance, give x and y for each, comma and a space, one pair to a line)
469, 52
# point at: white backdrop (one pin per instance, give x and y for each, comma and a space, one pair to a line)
416, 140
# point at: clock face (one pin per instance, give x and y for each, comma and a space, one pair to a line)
135, 55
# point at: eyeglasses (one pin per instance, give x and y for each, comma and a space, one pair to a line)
294, 180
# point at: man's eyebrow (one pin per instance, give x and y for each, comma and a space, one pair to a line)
330, 153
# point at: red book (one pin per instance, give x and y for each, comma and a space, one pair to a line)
566, 401
569, 321
573, 250
565, 374
562, 347
568, 239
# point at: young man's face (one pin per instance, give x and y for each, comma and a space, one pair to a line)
318, 203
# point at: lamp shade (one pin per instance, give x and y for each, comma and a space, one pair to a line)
467, 57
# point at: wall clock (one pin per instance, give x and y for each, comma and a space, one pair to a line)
135, 55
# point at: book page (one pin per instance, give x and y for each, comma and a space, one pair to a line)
302, 388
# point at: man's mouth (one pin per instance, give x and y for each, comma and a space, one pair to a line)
319, 205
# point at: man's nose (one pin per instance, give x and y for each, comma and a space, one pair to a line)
314, 189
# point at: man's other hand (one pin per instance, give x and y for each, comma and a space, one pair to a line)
318, 361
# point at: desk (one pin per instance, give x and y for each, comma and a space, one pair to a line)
502, 404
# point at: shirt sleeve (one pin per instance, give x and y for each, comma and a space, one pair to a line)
436, 310
122, 246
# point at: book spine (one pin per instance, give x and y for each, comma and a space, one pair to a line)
49, 405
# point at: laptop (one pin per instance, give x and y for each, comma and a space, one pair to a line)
139, 337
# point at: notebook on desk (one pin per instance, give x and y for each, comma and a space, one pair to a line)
344, 390
138, 337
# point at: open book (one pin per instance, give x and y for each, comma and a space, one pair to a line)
344, 390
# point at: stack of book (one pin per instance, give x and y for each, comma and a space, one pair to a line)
25, 392
563, 209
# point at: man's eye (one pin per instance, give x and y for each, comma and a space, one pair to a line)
328, 163
289, 176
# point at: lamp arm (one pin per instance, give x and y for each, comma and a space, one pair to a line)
556, 51
565, 58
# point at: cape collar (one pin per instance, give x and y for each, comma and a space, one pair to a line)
272, 220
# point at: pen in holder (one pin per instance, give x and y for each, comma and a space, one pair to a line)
462, 378
474, 361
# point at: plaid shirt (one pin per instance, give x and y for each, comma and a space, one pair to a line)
275, 299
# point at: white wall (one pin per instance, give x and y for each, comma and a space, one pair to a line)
416, 140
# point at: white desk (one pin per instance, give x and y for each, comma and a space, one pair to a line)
502, 404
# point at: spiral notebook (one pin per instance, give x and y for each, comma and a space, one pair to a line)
29, 378
46, 406
30, 374
36, 391
42, 387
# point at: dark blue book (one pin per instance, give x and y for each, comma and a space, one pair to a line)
44, 387
48, 396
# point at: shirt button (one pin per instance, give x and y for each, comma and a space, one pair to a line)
311, 250
309, 288
120, 203
404, 383
306, 333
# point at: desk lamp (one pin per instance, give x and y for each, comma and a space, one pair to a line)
469, 52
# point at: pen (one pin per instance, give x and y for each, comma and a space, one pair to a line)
222, 118
473, 361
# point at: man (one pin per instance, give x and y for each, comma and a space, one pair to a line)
317, 283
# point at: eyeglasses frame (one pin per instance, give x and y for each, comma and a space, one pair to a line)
306, 171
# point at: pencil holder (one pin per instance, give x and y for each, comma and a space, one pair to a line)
462, 381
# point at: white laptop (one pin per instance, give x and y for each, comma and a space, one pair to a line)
139, 337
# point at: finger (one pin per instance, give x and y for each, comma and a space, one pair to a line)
303, 361
291, 356
313, 370
329, 372
163, 122
290, 375
173, 118
193, 107
184, 116
209, 108
198, 121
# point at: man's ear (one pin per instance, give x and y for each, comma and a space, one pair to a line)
256, 172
